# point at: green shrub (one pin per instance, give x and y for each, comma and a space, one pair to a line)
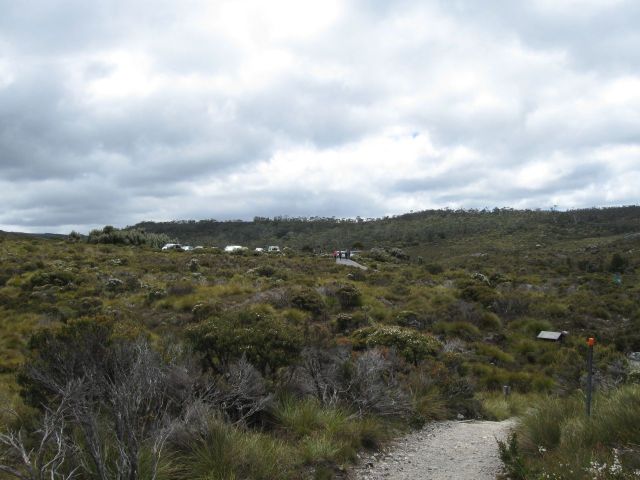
434, 268
379, 254
64, 354
349, 296
464, 330
128, 236
57, 278
308, 300
180, 288
493, 353
512, 459
346, 322
618, 263
398, 253
267, 342
413, 346
480, 293
408, 318
530, 326
490, 321
265, 270
202, 311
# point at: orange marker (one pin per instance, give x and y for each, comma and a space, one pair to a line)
591, 341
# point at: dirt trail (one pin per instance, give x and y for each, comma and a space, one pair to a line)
443, 450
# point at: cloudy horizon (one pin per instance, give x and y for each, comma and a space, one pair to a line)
115, 112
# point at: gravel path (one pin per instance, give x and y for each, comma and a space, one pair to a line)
350, 263
443, 450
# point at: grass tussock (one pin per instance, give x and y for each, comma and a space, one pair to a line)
222, 452
498, 407
555, 439
327, 433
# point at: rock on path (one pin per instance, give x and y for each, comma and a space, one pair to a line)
443, 450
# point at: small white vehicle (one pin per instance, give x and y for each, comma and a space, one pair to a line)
273, 249
234, 248
173, 246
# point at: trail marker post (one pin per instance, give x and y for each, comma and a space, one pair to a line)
590, 342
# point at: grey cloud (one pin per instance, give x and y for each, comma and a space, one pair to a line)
439, 182
493, 191
326, 114
295, 202
608, 39
76, 161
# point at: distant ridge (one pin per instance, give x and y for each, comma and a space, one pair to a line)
36, 235
410, 229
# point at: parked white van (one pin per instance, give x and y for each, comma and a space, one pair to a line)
234, 248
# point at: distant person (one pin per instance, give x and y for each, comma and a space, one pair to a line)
335, 254
340, 254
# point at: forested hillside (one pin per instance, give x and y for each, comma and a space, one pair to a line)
413, 229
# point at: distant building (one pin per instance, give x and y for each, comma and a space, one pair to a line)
552, 336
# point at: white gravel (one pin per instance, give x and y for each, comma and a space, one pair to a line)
442, 450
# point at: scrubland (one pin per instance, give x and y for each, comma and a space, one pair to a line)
123, 361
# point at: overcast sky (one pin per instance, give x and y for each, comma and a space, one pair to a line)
114, 112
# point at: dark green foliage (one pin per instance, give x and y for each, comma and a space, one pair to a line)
434, 268
512, 459
57, 278
202, 311
379, 254
128, 236
346, 323
618, 263
464, 330
309, 300
349, 296
398, 253
63, 355
181, 288
265, 270
74, 237
429, 226
265, 340
408, 318
478, 292
490, 321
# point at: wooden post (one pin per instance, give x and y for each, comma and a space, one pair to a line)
590, 342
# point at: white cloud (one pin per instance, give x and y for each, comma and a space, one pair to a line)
240, 108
